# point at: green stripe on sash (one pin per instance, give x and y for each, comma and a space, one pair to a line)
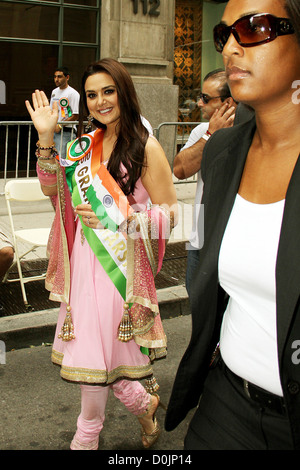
69, 171
100, 210
108, 264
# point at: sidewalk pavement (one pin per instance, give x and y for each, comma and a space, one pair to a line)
39, 410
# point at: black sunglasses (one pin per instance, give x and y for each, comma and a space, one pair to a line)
252, 30
206, 98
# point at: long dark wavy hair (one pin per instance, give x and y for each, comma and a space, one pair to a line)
129, 149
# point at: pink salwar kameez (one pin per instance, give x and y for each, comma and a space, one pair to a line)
96, 359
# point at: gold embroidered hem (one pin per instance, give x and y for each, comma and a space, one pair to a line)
157, 353
101, 377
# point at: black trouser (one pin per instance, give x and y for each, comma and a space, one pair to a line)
192, 265
227, 419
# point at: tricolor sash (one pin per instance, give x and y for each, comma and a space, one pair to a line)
108, 201
109, 247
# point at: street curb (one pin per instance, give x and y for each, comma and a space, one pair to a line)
34, 328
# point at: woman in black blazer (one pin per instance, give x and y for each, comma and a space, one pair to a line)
245, 297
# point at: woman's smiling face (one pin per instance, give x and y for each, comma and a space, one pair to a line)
102, 98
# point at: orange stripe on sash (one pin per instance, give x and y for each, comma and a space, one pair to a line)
97, 153
115, 191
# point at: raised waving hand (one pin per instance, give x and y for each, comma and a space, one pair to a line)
43, 117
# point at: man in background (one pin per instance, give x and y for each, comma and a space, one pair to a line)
218, 108
67, 99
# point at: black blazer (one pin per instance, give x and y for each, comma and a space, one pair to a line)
222, 167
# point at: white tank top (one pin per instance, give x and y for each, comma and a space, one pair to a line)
247, 264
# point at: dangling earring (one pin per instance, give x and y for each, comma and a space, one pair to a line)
88, 127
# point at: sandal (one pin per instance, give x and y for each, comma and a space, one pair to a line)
148, 439
77, 445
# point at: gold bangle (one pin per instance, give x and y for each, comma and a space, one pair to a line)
47, 166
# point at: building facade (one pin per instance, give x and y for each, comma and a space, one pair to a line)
165, 44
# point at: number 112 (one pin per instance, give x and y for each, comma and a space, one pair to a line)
154, 5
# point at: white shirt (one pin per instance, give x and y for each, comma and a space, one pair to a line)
194, 137
147, 125
71, 95
247, 266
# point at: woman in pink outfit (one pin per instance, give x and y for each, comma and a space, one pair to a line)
109, 329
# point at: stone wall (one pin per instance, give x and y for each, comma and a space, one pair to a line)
143, 40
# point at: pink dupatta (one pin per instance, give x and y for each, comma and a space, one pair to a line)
145, 252
61, 237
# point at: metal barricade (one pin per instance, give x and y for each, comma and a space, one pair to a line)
175, 140
18, 144
17, 148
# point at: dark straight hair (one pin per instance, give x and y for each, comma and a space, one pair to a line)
64, 70
129, 150
219, 74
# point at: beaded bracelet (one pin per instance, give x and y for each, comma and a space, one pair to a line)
53, 152
51, 147
52, 155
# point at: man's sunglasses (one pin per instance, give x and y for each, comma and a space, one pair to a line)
252, 30
206, 98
